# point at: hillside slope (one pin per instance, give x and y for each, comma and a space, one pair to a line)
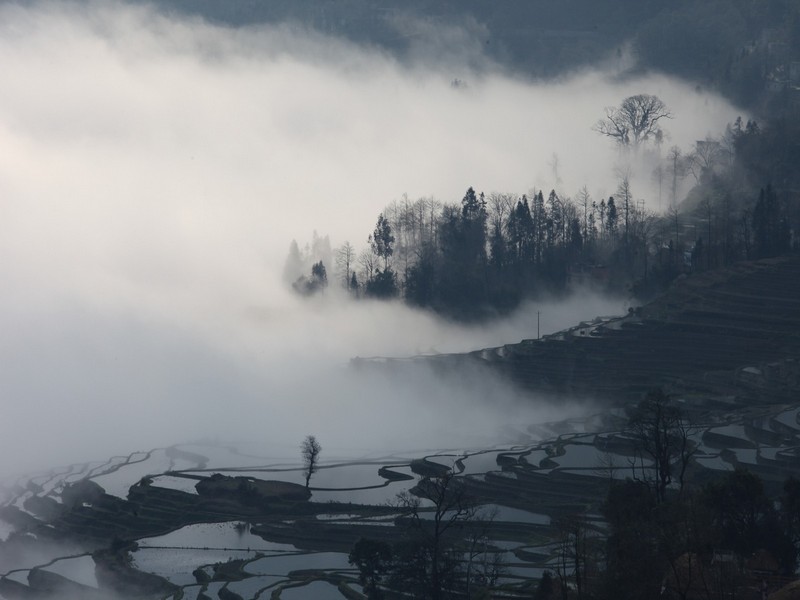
733, 331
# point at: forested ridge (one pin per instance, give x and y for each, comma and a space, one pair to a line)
742, 48
703, 501
483, 255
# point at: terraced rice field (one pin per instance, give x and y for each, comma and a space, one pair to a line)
525, 490
726, 346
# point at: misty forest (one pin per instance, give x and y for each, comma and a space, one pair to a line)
388, 300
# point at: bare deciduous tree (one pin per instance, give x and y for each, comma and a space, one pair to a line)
664, 437
584, 200
705, 157
500, 207
573, 554
310, 449
635, 121
625, 197
451, 509
368, 263
657, 176
676, 168
345, 257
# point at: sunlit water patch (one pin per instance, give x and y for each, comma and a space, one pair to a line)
748, 456
80, 569
229, 535
19, 501
248, 588
524, 571
534, 457
789, 418
386, 494
177, 565
212, 591
770, 453
290, 475
582, 456
617, 472
726, 437
319, 590
118, 482
400, 470
181, 484
479, 463
714, 462
191, 592
277, 565
19, 576
514, 515
348, 476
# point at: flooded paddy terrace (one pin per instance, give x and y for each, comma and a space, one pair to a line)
199, 545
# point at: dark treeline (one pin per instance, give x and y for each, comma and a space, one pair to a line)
727, 538
484, 255
746, 204
742, 48
675, 532
672, 530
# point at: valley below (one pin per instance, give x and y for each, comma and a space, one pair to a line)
202, 519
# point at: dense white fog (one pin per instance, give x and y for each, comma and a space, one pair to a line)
152, 176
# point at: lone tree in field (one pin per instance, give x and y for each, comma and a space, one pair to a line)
310, 450
635, 121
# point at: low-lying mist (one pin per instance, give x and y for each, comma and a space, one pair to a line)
152, 176
81, 384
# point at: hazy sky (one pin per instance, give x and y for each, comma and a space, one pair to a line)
153, 173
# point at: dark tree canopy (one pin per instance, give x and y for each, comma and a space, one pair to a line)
318, 281
382, 239
383, 284
662, 437
373, 559
482, 256
319, 273
770, 226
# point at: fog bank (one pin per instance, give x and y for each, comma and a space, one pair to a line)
152, 175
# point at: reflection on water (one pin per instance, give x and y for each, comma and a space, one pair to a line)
319, 590
177, 554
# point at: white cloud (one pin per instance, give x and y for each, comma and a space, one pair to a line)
153, 172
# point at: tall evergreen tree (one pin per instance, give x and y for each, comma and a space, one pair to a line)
382, 241
611, 218
770, 226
